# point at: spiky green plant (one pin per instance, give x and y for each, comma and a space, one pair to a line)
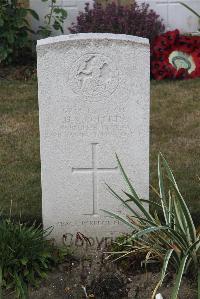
25, 256
171, 236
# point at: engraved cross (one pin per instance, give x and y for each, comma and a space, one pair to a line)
94, 170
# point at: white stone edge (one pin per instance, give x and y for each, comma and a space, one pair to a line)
92, 36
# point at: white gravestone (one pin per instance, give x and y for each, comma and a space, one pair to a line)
93, 102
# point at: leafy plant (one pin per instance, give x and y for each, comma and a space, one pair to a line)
25, 256
192, 10
15, 41
54, 19
171, 237
134, 19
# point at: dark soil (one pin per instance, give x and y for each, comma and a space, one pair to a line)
97, 278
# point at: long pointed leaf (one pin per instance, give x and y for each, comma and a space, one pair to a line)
135, 197
183, 205
165, 264
170, 211
122, 200
162, 190
193, 246
113, 215
180, 222
141, 207
179, 278
147, 201
148, 230
163, 272
151, 202
198, 282
134, 193
145, 220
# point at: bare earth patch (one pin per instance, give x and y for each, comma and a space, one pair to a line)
93, 277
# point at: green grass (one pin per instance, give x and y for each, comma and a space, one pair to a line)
175, 130
19, 149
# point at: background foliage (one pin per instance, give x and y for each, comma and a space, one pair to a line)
133, 19
53, 20
15, 41
25, 256
17, 44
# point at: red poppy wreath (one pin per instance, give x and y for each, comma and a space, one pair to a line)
175, 56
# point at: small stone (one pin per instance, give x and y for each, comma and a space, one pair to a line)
159, 296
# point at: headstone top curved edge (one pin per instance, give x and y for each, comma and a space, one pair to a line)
93, 36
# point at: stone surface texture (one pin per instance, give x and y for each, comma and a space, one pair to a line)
93, 102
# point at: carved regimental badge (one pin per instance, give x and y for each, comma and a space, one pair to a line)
94, 76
